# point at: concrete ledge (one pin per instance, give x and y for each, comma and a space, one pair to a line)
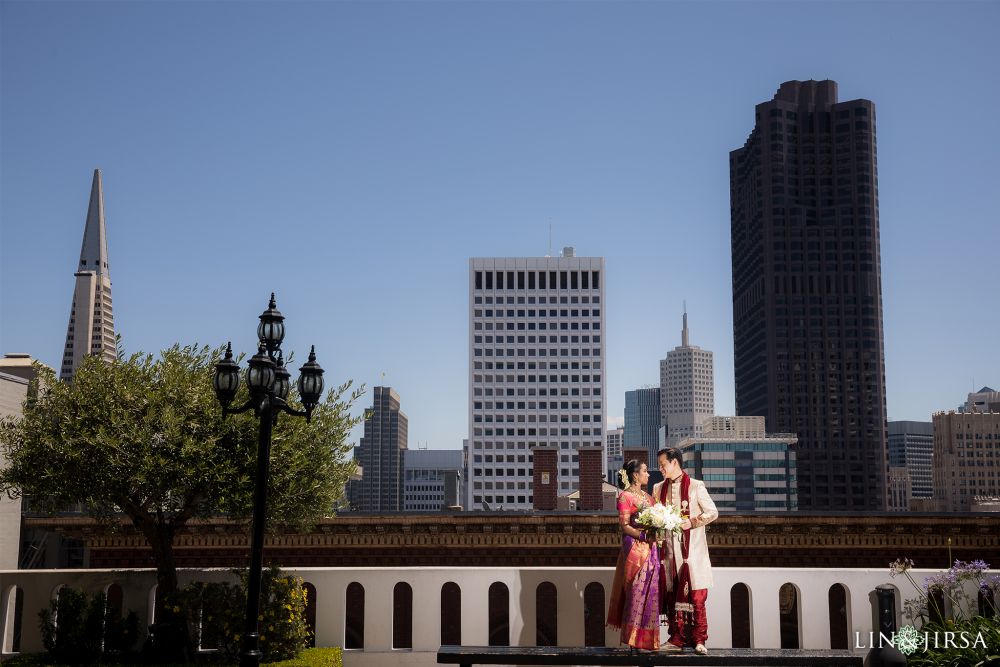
562, 655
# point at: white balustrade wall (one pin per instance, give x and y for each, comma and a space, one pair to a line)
813, 585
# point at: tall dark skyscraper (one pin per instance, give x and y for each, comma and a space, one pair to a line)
380, 454
807, 290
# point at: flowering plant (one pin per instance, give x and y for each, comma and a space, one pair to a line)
960, 602
221, 606
662, 519
954, 585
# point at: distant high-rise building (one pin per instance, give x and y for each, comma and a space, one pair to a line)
91, 329
745, 469
966, 460
380, 455
642, 422
687, 389
807, 290
900, 487
615, 453
432, 479
984, 400
911, 446
536, 374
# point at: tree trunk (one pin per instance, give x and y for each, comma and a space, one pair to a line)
169, 638
161, 541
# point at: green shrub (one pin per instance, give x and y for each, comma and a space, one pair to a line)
120, 635
963, 656
221, 608
76, 628
72, 626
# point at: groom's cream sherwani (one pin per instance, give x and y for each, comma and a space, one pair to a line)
702, 512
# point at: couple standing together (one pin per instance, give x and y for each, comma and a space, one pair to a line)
672, 579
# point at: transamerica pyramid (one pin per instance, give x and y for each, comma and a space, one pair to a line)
91, 329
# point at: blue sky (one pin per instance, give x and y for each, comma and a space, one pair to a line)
353, 156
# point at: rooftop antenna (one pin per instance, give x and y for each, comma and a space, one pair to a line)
550, 239
684, 331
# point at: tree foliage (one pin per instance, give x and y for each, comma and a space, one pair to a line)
145, 437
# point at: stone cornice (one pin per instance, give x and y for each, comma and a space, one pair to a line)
554, 538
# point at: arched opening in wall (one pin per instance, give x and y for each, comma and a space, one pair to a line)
310, 592
354, 616
936, 610
740, 613
839, 623
208, 639
153, 604
402, 616
114, 600
212, 614
546, 632
499, 611
593, 614
56, 592
13, 608
451, 614
788, 611
988, 603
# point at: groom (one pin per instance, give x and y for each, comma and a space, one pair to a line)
686, 571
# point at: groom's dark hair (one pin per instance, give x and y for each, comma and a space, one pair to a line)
672, 454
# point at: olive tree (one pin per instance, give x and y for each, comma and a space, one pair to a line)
144, 437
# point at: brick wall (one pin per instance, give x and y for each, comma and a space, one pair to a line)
591, 478
546, 482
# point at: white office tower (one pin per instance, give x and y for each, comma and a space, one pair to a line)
536, 372
615, 452
687, 389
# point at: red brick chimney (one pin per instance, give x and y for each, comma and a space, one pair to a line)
545, 463
591, 478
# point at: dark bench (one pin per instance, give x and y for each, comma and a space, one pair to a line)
580, 655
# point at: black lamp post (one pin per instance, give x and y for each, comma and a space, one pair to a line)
269, 382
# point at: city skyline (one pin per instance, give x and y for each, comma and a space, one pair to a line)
185, 219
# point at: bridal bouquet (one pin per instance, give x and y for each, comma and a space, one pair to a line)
661, 518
